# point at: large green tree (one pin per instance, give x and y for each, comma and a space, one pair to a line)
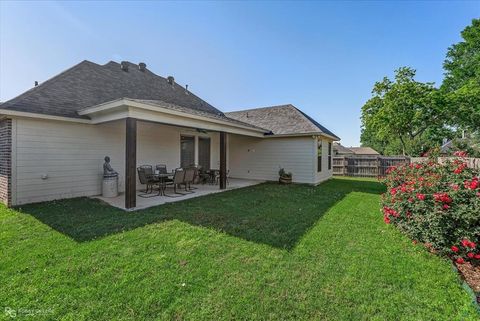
461, 85
404, 116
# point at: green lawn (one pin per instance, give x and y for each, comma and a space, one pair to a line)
266, 252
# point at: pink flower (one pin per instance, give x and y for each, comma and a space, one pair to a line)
421, 196
442, 197
470, 255
460, 153
454, 249
460, 260
446, 206
473, 184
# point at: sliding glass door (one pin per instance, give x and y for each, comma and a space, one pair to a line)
187, 151
204, 152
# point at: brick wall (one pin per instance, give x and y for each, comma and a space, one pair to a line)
5, 161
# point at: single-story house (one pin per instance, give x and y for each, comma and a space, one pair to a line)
54, 137
340, 150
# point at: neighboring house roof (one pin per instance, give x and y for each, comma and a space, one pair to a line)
364, 151
88, 84
281, 120
340, 149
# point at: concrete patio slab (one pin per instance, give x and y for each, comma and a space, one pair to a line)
202, 190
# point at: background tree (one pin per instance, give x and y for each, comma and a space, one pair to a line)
461, 85
405, 116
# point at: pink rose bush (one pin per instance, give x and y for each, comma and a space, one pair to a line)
436, 204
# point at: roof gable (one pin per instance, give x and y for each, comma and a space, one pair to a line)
281, 120
88, 84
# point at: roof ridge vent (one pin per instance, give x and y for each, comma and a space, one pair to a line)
124, 65
142, 66
171, 80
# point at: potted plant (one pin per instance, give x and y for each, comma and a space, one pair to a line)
285, 177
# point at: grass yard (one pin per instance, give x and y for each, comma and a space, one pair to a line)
267, 252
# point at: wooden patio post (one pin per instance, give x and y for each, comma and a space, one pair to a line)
223, 160
130, 162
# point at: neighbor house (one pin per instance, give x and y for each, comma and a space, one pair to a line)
340, 150
53, 138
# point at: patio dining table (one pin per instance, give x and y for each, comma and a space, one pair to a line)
162, 181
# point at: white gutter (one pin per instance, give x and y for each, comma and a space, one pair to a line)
9, 112
313, 134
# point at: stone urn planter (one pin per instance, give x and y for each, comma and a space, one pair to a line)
285, 178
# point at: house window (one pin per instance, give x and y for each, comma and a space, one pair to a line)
329, 156
319, 156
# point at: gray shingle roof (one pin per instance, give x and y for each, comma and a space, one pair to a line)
342, 150
281, 120
88, 84
364, 151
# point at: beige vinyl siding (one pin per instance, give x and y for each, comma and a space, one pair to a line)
325, 173
71, 155
261, 158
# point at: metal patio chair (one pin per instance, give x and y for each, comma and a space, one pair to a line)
146, 177
188, 180
178, 180
162, 169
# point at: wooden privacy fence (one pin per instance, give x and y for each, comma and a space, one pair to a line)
374, 166
366, 166
471, 162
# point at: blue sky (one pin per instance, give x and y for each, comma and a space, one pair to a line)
323, 57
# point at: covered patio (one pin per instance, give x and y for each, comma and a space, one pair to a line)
154, 199
161, 133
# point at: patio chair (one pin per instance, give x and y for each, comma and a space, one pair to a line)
196, 177
162, 169
203, 176
146, 177
217, 177
178, 179
188, 180
213, 176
